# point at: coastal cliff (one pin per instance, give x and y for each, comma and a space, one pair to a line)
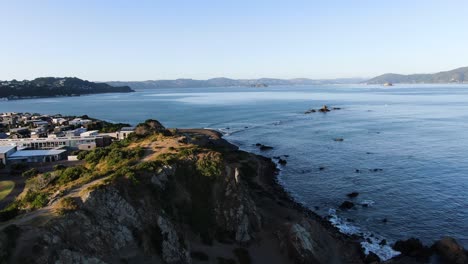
168, 196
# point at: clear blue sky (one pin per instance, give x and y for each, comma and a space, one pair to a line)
139, 40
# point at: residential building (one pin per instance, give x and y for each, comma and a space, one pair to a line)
51, 143
79, 122
124, 132
5, 152
37, 155
89, 133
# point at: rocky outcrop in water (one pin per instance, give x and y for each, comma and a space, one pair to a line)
324, 109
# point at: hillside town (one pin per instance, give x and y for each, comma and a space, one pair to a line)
26, 137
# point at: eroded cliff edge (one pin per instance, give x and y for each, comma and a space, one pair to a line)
168, 196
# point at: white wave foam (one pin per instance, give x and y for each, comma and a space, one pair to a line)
344, 226
368, 203
372, 243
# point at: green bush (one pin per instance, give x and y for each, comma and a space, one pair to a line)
34, 200
186, 152
59, 167
117, 155
70, 174
95, 155
210, 165
67, 204
30, 173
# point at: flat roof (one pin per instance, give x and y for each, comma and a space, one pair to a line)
32, 153
5, 149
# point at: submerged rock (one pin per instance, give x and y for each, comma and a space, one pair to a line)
310, 111
347, 205
324, 109
263, 147
352, 194
282, 162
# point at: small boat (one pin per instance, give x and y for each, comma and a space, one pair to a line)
388, 84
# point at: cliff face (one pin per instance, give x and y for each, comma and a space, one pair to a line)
203, 201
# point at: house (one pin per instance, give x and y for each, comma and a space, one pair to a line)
10, 120
39, 123
52, 143
124, 132
89, 133
76, 132
5, 152
37, 155
20, 132
59, 121
79, 122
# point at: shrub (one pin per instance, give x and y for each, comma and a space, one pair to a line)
95, 155
34, 200
149, 127
70, 174
118, 155
210, 165
30, 173
67, 204
186, 152
40, 181
59, 167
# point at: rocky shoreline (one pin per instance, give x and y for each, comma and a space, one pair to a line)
179, 196
412, 250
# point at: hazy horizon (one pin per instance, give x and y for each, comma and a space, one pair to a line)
148, 40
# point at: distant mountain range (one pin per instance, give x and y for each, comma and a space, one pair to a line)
71, 86
50, 87
459, 75
226, 82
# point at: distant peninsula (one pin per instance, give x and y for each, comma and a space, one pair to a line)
459, 75
227, 82
51, 87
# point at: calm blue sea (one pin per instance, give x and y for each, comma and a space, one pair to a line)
417, 135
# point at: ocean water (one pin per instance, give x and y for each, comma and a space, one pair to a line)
415, 135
